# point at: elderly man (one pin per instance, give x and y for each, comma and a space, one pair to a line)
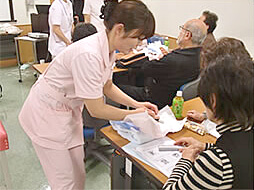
163, 77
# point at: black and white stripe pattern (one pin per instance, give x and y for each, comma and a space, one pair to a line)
211, 170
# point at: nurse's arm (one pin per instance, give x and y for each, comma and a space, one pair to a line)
57, 30
97, 108
118, 96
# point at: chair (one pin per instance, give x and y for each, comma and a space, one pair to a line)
4, 145
190, 89
93, 147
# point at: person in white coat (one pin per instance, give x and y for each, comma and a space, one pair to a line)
92, 11
82, 74
60, 25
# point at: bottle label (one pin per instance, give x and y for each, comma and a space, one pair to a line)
177, 108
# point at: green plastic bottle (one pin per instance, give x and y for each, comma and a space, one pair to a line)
166, 42
177, 105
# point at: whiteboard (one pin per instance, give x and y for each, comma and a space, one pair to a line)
5, 10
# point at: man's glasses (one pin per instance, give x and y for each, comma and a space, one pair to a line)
182, 28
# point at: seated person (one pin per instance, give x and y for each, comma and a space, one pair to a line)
210, 19
83, 30
226, 45
163, 77
226, 89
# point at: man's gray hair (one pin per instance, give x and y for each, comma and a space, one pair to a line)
197, 34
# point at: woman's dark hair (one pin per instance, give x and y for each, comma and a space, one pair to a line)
224, 46
210, 20
133, 14
231, 81
83, 30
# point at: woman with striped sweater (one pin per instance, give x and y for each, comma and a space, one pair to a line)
227, 90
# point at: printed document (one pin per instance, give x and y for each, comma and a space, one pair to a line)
149, 153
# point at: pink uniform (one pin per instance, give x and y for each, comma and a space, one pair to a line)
51, 115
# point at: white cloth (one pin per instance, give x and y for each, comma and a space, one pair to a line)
156, 129
93, 8
60, 13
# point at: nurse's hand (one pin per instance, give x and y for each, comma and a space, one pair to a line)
152, 109
68, 43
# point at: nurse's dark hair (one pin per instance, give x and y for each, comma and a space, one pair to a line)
230, 80
133, 14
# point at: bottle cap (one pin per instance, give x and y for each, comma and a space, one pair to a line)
179, 93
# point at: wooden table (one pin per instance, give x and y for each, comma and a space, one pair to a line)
157, 177
40, 68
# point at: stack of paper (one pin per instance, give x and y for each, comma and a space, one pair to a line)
149, 153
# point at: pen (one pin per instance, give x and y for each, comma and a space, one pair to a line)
169, 147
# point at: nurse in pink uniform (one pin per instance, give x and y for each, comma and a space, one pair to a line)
82, 74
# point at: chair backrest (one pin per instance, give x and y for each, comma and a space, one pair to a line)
190, 89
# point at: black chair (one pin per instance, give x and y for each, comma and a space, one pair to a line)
94, 149
190, 89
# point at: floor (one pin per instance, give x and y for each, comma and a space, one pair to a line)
25, 169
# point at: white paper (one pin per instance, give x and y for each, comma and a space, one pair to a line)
152, 50
130, 149
168, 121
128, 167
149, 153
155, 129
210, 127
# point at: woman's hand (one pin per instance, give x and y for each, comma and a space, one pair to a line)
192, 147
191, 142
189, 153
152, 109
195, 115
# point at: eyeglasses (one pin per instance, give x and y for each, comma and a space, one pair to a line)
182, 28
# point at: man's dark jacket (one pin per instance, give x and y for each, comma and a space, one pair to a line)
167, 75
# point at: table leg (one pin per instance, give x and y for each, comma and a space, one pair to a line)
18, 58
35, 52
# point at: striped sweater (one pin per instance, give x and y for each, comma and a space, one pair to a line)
212, 169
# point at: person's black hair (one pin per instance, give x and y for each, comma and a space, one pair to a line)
83, 30
210, 20
133, 14
230, 79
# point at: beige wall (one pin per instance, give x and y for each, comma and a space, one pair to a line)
236, 17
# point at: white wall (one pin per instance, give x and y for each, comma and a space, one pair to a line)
22, 12
236, 17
